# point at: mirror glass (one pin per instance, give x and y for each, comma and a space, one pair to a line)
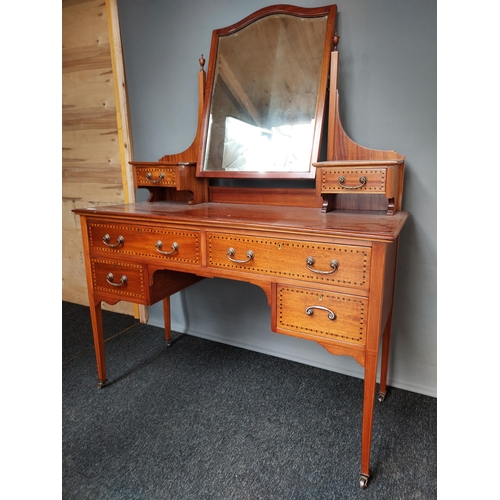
263, 109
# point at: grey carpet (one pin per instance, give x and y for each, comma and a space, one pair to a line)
203, 420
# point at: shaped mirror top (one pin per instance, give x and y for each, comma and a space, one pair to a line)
266, 94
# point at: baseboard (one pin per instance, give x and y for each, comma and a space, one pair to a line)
399, 384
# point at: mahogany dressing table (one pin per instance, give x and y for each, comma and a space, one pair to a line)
325, 253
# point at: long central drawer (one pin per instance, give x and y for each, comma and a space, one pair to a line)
341, 265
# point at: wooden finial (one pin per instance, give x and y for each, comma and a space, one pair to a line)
202, 62
336, 40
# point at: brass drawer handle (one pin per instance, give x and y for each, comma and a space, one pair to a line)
149, 178
231, 252
334, 264
362, 180
109, 279
159, 246
310, 311
119, 241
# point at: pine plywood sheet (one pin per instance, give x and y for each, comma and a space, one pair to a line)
84, 58
84, 23
91, 192
90, 146
84, 88
97, 118
73, 269
91, 166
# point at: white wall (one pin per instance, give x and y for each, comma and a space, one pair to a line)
388, 101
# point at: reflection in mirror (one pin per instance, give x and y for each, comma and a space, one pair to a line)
284, 148
264, 97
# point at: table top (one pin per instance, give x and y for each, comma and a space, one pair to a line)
358, 224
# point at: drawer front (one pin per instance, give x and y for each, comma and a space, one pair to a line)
119, 278
333, 316
177, 246
341, 265
354, 180
155, 176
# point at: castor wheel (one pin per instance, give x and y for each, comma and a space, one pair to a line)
168, 342
381, 397
101, 384
363, 481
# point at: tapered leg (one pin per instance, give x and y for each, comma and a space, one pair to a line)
368, 403
166, 318
386, 340
96, 317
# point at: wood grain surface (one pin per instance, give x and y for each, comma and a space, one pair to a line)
91, 163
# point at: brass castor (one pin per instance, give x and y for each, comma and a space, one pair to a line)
381, 396
363, 481
101, 384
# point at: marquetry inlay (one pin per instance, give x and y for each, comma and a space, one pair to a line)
287, 258
141, 241
350, 314
375, 183
134, 286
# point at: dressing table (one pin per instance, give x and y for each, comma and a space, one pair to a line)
322, 242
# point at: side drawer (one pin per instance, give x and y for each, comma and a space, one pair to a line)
326, 315
124, 280
163, 244
357, 180
341, 265
148, 176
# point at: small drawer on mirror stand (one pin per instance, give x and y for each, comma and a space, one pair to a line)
170, 181
366, 177
155, 175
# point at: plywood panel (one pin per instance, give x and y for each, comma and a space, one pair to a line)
85, 88
92, 172
97, 118
92, 191
90, 146
84, 23
82, 58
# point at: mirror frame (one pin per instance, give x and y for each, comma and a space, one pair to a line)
328, 10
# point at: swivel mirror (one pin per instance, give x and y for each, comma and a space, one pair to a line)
265, 97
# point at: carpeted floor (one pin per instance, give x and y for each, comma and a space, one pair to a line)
202, 420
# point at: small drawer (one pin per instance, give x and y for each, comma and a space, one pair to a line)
326, 315
341, 265
148, 176
119, 278
151, 242
355, 180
